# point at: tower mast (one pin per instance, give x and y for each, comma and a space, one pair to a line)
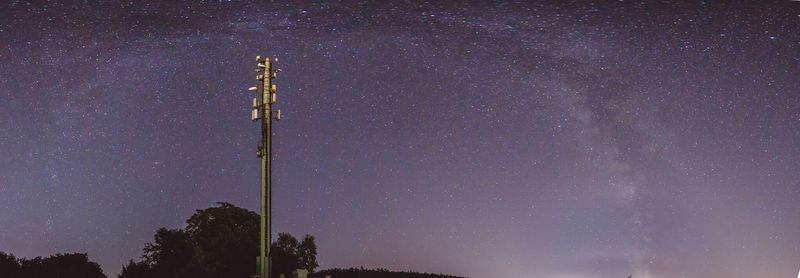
262, 109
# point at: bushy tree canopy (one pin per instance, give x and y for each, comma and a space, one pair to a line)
220, 241
74, 265
288, 254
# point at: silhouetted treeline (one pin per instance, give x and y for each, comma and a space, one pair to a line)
75, 265
374, 273
221, 241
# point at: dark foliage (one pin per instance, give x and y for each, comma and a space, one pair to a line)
136, 270
220, 241
76, 265
288, 254
225, 240
169, 254
9, 265
307, 253
374, 273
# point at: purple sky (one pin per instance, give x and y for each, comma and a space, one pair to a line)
488, 140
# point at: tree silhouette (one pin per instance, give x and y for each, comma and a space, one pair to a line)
136, 270
9, 265
170, 254
288, 254
220, 241
284, 255
75, 265
307, 253
225, 239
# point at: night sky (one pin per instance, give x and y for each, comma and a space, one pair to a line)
654, 139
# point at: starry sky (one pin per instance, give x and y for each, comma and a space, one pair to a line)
552, 139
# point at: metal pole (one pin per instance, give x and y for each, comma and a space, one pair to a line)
268, 93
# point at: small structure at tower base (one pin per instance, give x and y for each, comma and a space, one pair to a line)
300, 273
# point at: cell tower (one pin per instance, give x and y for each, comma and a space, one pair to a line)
262, 110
